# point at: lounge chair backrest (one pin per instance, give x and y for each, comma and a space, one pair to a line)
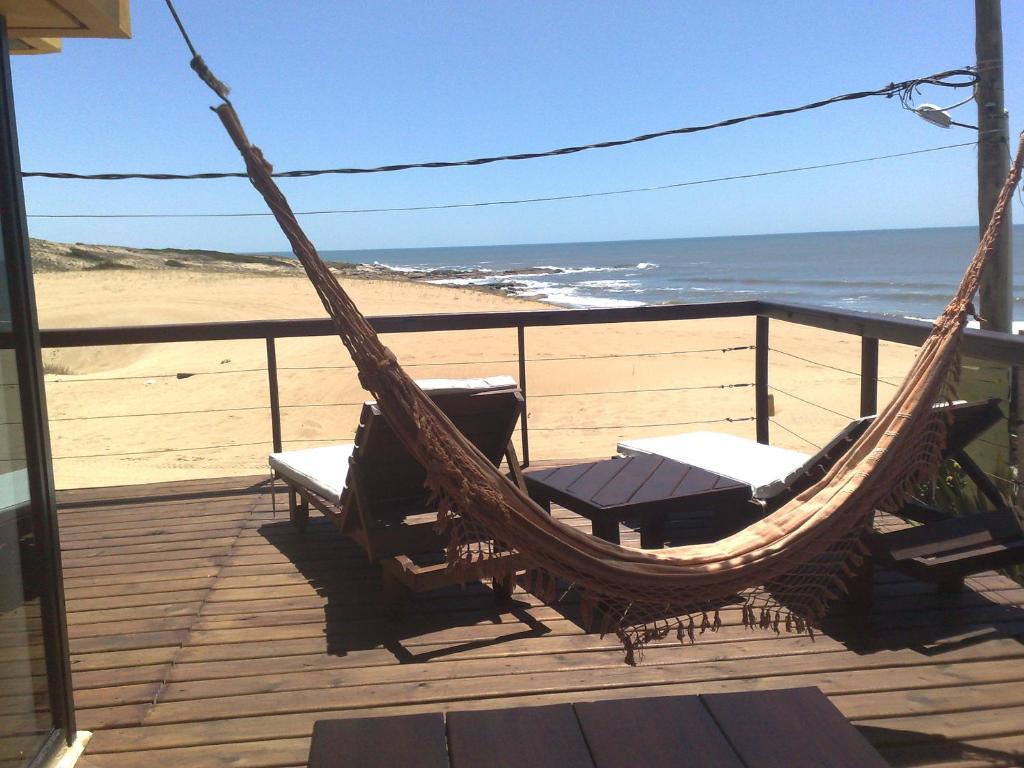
968, 421
820, 463
390, 475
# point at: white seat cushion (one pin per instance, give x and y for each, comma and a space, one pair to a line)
322, 470
325, 470
445, 386
764, 468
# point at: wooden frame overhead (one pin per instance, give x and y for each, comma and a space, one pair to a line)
37, 26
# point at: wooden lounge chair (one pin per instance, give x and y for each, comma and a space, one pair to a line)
776, 475
940, 548
373, 490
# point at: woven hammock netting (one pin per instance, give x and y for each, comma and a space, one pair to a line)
782, 571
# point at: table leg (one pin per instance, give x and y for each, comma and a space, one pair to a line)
298, 509
606, 529
652, 530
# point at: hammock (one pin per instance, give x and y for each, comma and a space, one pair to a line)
783, 570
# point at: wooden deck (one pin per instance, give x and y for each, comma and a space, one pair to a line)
205, 631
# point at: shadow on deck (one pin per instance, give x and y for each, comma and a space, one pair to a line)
203, 626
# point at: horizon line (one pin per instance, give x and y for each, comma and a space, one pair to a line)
627, 240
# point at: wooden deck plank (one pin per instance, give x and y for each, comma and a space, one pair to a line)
882, 731
834, 681
238, 679
273, 753
205, 628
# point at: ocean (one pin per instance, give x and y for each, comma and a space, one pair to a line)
898, 272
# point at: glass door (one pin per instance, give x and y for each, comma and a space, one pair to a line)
36, 706
25, 715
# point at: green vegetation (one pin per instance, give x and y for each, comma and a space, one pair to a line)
84, 255
952, 491
231, 258
96, 260
54, 368
108, 264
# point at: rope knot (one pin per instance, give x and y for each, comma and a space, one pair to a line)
386, 360
255, 155
221, 89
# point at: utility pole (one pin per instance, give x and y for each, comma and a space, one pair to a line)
996, 293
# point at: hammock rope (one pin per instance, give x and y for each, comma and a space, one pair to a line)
782, 571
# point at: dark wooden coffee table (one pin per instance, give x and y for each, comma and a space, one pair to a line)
648, 488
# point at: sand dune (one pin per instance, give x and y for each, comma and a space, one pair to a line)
133, 414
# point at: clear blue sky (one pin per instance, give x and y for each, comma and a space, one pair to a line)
321, 84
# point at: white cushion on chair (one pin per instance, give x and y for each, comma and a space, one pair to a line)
765, 468
444, 386
322, 470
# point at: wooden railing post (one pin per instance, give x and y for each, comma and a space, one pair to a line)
275, 401
525, 425
868, 376
761, 408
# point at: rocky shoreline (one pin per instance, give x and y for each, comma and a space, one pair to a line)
49, 256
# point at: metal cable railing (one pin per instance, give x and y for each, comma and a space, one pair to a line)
855, 374
1001, 348
433, 363
454, 364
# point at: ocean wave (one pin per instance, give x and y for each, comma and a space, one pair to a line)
464, 281
555, 269
394, 268
1017, 326
568, 298
616, 286
811, 282
565, 295
630, 282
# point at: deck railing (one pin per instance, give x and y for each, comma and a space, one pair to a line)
1000, 348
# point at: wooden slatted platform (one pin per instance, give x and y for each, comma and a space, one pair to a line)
205, 631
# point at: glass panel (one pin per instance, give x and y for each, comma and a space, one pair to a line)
25, 717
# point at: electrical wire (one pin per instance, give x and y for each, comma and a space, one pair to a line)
519, 201
904, 90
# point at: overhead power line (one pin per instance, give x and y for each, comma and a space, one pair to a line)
904, 90
487, 203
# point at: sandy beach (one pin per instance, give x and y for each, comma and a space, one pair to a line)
134, 414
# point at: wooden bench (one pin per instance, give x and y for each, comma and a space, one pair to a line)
790, 728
